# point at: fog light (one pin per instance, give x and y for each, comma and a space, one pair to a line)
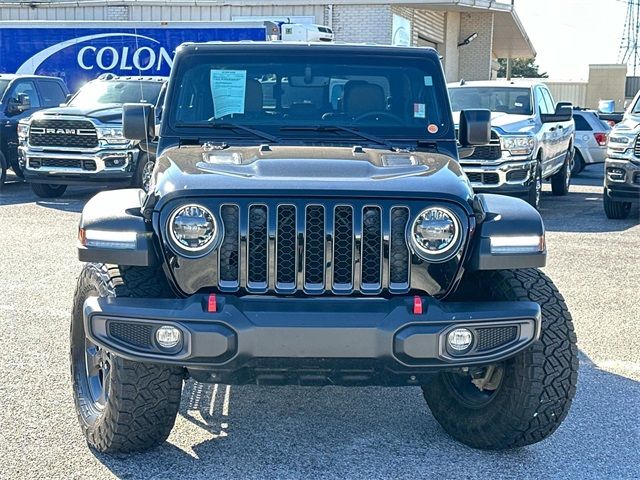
168, 336
460, 339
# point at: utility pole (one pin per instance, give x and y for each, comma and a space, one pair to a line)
629, 52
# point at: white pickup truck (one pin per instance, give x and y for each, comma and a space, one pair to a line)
532, 138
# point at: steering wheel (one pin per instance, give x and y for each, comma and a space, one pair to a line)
391, 116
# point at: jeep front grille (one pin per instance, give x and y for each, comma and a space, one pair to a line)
49, 132
334, 246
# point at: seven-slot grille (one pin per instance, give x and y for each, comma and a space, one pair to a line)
636, 147
49, 132
336, 246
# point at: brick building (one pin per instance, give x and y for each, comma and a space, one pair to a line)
493, 27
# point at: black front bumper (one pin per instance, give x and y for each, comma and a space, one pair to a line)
94, 178
259, 339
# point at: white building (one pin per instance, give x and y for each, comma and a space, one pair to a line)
492, 28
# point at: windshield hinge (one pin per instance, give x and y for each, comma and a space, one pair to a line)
422, 145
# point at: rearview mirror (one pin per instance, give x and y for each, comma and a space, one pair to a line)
138, 123
563, 113
475, 127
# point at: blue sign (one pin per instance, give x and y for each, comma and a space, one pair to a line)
80, 54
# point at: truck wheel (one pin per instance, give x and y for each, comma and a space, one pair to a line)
616, 210
144, 171
3, 170
560, 181
43, 190
524, 398
535, 189
578, 164
122, 406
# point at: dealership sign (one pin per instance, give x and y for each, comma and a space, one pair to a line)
79, 54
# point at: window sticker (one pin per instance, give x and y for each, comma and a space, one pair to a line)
228, 88
432, 128
428, 80
419, 110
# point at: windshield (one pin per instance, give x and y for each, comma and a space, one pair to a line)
386, 95
103, 92
3, 86
516, 101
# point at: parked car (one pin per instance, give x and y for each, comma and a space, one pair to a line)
591, 139
622, 165
21, 96
532, 138
294, 239
81, 143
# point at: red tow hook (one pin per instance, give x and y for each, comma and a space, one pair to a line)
417, 305
212, 303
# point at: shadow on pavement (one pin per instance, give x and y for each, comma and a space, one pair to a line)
19, 193
332, 432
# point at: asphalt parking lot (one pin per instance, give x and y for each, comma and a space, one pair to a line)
258, 432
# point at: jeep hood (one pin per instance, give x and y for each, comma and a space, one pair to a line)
106, 113
309, 171
506, 123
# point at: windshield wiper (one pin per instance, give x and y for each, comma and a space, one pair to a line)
340, 128
253, 131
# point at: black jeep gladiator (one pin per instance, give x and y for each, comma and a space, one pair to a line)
308, 223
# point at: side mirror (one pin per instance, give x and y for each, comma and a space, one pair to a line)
475, 127
138, 123
563, 113
22, 104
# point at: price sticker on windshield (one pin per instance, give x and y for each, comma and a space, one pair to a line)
228, 88
419, 110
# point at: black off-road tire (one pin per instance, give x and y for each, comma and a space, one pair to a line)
143, 398
561, 180
537, 385
616, 210
44, 190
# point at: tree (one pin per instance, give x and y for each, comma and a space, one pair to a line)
521, 68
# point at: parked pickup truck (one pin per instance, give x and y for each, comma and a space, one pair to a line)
318, 233
622, 166
532, 138
21, 96
82, 143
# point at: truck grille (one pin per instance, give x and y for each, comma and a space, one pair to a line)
336, 246
636, 147
62, 133
484, 178
493, 151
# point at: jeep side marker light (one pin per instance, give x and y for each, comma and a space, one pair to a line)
107, 239
168, 336
517, 244
460, 339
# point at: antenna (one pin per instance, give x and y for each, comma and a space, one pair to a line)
629, 52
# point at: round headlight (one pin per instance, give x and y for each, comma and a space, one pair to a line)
434, 234
192, 228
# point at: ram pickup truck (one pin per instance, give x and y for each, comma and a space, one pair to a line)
81, 142
532, 138
622, 165
309, 223
20, 97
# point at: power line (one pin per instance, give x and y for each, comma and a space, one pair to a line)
629, 52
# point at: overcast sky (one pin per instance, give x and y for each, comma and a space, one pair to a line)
570, 34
